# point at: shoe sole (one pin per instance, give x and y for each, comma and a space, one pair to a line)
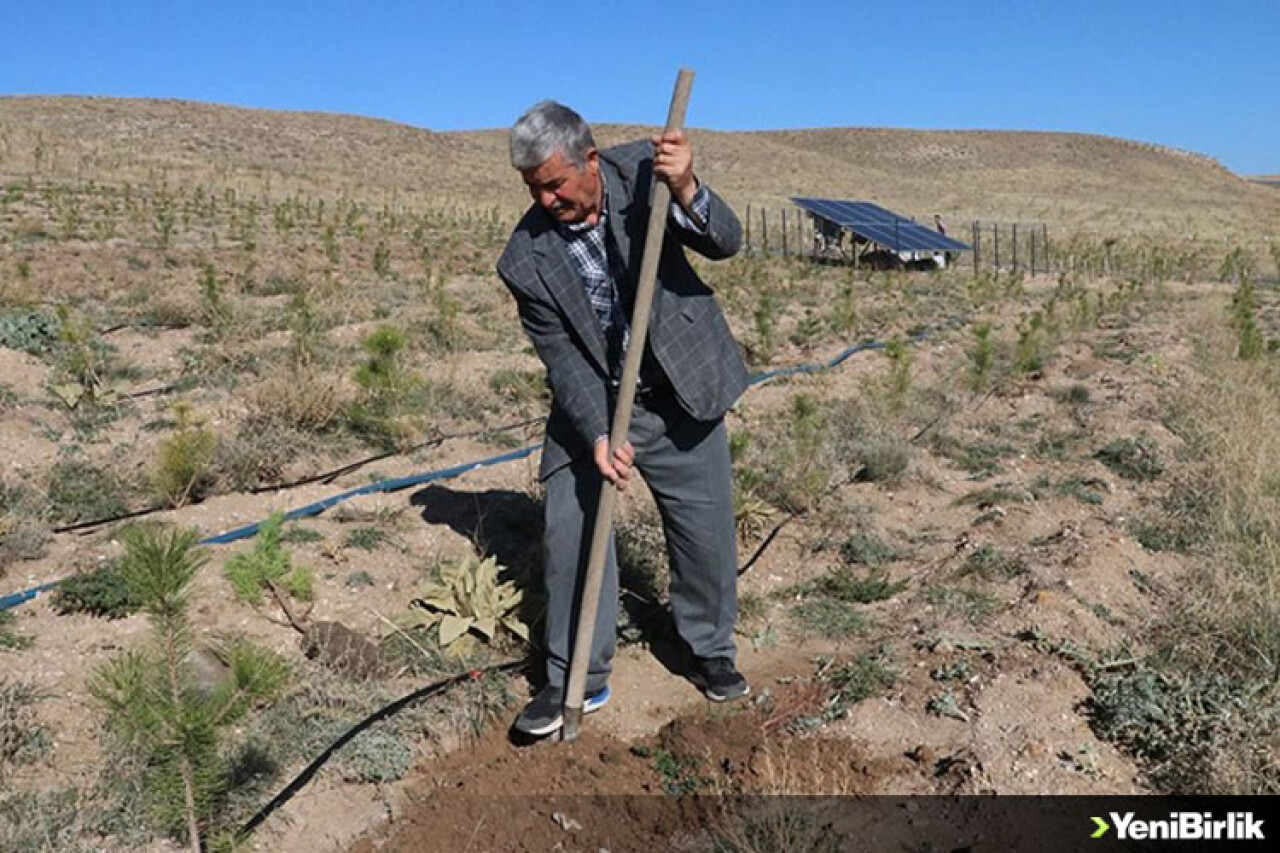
590, 705
726, 697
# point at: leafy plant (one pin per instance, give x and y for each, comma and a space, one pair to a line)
466, 597
32, 332
268, 563
82, 363
853, 681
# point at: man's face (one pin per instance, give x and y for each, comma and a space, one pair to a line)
567, 192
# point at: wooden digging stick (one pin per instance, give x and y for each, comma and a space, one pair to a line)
660, 201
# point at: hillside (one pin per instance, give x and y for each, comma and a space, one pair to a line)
1070, 181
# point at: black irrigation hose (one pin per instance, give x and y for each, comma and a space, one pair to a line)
85, 525
300, 781
329, 476
325, 477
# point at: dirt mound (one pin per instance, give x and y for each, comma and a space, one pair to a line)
601, 793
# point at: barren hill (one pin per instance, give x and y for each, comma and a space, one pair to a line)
1070, 181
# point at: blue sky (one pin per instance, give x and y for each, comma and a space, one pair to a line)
1194, 75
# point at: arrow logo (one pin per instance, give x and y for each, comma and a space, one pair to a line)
1103, 826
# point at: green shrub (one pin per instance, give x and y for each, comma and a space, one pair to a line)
184, 471
992, 564
854, 681
843, 585
1132, 458
981, 357
898, 383
268, 562
11, 640
829, 617
81, 491
103, 593
22, 738
867, 549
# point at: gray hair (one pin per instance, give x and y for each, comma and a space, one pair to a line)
548, 128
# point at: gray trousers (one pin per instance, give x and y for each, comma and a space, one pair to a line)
686, 466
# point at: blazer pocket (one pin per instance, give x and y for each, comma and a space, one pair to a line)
694, 309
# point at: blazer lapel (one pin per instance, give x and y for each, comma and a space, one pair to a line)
565, 285
620, 213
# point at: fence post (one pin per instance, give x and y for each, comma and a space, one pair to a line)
784, 233
1033, 251
764, 232
1015, 248
977, 242
1044, 234
995, 233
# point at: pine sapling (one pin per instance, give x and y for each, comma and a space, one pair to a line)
157, 708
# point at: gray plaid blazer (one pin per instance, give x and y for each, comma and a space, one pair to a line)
688, 335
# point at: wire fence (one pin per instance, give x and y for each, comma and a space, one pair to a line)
1019, 247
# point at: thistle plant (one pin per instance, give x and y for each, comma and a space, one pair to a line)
156, 707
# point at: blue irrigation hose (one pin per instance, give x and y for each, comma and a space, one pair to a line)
395, 485
250, 530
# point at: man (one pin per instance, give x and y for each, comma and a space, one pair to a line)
572, 265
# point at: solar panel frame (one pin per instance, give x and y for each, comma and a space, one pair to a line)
895, 232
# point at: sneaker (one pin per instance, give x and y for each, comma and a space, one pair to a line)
545, 712
718, 679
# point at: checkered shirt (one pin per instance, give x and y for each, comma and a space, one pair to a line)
602, 274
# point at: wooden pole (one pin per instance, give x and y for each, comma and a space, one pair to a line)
995, 234
1033, 251
659, 202
748, 229
1015, 248
764, 232
1044, 234
784, 233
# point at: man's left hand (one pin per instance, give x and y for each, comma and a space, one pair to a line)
673, 164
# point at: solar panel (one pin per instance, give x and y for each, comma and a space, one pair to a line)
891, 230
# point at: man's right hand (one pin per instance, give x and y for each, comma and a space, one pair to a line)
618, 469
